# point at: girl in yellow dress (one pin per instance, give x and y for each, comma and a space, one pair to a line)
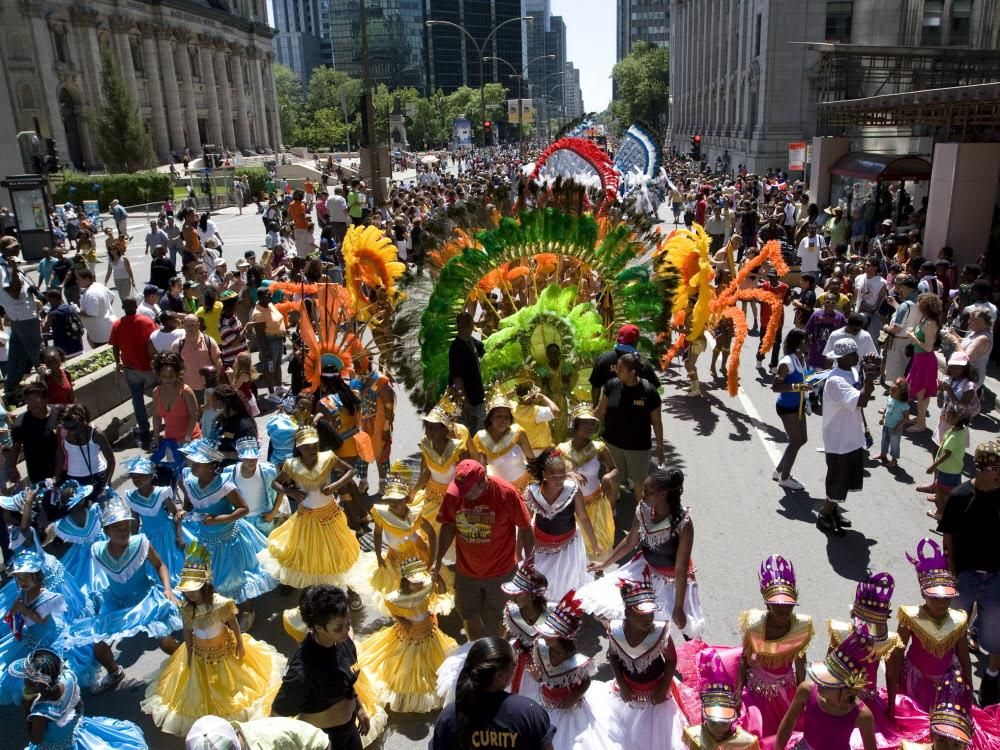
444, 444
217, 670
315, 544
406, 534
405, 657
592, 460
503, 447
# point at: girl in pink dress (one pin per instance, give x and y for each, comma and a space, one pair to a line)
829, 702
720, 707
955, 723
775, 642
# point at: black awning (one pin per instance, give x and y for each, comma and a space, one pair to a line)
882, 167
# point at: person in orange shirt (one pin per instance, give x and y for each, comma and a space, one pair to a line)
310, 193
298, 212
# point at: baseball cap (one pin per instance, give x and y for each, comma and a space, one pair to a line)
219, 262
468, 474
628, 336
212, 733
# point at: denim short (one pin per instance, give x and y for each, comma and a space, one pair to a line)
945, 479
982, 589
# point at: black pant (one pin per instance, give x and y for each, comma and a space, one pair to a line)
344, 737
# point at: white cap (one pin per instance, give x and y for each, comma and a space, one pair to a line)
212, 733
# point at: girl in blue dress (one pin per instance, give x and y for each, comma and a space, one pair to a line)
80, 528
217, 520
255, 481
138, 597
22, 535
158, 515
36, 620
54, 713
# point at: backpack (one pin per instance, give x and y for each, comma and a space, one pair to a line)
74, 326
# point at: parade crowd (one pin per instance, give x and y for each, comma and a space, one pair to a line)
254, 469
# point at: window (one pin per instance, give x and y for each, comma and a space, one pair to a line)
25, 96
59, 45
15, 48
756, 35
838, 21
961, 22
931, 31
133, 46
195, 63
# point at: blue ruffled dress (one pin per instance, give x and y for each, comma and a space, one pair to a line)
133, 601
159, 527
78, 562
69, 729
56, 579
236, 573
47, 634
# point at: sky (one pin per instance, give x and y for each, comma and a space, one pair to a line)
590, 39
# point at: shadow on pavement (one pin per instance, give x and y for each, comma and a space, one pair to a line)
849, 555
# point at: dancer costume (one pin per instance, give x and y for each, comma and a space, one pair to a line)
25, 635
257, 490
213, 680
931, 652
157, 523
405, 656
281, 430
521, 633
871, 607
440, 466
77, 561
639, 724
403, 539
720, 706
233, 546
770, 664
356, 448
315, 544
559, 551
587, 463
953, 716
66, 727
582, 725
375, 415
504, 457
844, 667
658, 543
369, 694
132, 602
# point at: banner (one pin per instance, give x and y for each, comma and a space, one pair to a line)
797, 156
462, 131
526, 109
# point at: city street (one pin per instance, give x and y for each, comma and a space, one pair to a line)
727, 448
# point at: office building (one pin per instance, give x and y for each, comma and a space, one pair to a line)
396, 36
642, 20
574, 95
299, 41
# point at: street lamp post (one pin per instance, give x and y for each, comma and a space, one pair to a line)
558, 85
479, 50
520, 78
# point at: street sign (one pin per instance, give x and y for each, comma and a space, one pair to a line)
797, 156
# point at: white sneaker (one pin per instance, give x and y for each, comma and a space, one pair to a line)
776, 476
791, 484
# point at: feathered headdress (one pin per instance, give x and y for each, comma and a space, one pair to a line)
370, 264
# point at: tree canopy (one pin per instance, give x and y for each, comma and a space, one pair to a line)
121, 135
642, 87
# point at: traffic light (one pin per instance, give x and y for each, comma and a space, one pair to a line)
696, 147
488, 128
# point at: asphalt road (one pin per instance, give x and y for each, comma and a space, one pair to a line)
727, 448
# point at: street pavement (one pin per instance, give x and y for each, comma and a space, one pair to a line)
727, 448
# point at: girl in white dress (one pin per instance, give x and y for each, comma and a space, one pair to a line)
502, 447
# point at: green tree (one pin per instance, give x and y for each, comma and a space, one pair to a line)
122, 136
288, 91
323, 129
642, 87
466, 101
333, 89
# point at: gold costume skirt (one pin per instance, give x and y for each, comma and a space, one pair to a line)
385, 579
215, 682
602, 518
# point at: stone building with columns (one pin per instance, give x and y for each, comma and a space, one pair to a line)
200, 71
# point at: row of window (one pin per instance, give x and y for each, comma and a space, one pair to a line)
945, 23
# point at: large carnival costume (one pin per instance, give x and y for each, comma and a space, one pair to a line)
377, 415
315, 544
587, 462
157, 523
217, 670
233, 545
579, 714
405, 656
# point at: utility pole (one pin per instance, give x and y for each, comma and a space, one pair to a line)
369, 113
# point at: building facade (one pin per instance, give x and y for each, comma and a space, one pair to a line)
198, 74
299, 43
453, 60
747, 75
641, 20
574, 95
396, 36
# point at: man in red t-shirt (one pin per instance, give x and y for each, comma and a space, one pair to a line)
130, 341
490, 525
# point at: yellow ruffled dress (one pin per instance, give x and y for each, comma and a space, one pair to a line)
442, 469
587, 463
215, 681
405, 657
370, 694
315, 545
402, 538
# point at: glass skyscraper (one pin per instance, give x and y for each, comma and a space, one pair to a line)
395, 40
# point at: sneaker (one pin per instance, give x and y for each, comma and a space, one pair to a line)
791, 484
772, 370
112, 681
776, 476
354, 601
842, 520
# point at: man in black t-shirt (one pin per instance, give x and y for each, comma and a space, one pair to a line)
34, 436
464, 374
971, 527
629, 405
604, 366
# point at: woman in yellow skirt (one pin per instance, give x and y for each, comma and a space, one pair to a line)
405, 534
369, 693
405, 657
444, 444
592, 460
503, 446
314, 545
217, 670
